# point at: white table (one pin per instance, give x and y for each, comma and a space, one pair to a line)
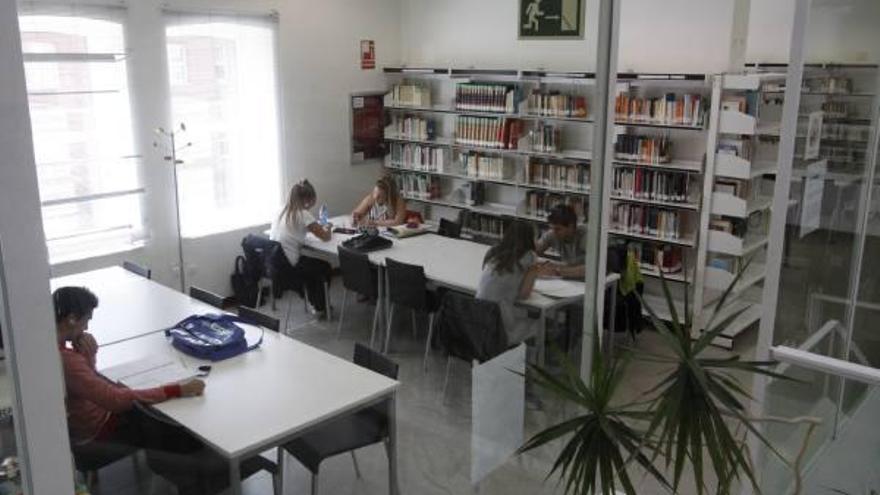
453, 263
129, 305
265, 397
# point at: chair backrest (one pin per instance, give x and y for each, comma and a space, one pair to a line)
358, 274
448, 228
470, 328
262, 255
251, 315
137, 269
407, 285
379, 363
209, 297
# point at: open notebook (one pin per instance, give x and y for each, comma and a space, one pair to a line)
148, 372
559, 288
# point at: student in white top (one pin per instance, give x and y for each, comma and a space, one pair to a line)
289, 229
383, 207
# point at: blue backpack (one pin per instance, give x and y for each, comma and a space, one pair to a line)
211, 337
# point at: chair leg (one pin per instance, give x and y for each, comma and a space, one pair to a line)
272, 295
314, 483
328, 310
287, 316
388, 330
428, 341
415, 333
306, 299
375, 322
391, 478
357, 469
278, 477
342, 313
446, 380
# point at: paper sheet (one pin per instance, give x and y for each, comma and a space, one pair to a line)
559, 288
148, 372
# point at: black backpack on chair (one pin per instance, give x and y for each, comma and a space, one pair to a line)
244, 285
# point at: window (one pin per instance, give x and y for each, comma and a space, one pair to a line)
223, 88
80, 117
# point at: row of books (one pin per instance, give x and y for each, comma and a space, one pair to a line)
644, 149
409, 127
656, 258
477, 224
646, 220
835, 109
483, 166
735, 146
409, 94
538, 204
479, 97
488, 132
670, 109
419, 186
651, 185
555, 104
846, 132
418, 157
572, 177
546, 138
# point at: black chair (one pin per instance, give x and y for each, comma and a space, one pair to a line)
361, 277
204, 472
92, 457
209, 297
448, 228
255, 317
137, 269
469, 329
408, 287
359, 429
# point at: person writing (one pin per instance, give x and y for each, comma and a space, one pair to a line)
99, 411
509, 273
290, 228
383, 207
567, 239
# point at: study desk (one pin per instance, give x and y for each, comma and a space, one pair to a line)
129, 305
452, 263
265, 397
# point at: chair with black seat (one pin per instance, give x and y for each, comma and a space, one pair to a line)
92, 457
448, 228
360, 429
209, 297
408, 288
361, 277
137, 269
255, 317
469, 329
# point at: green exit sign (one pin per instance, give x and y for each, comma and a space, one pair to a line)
551, 19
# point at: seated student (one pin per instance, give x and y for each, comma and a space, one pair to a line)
509, 274
568, 239
290, 228
383, 207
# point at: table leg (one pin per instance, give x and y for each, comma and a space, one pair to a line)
234, 478
393, 484
542, 338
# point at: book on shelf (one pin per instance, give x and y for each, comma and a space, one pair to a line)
409, 94
483, 166
646, 220
651, 185
555, 104
656, 259
643, 149
419, 186
670, 109
480, 97
411, 127
558, 176
483, 225
732, 187
475, 193
736, 147
545, 139
538, 203
488, 132
418, 157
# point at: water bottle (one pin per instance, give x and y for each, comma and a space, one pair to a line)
323, 217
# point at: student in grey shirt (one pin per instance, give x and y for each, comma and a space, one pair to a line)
568, 239
509, 273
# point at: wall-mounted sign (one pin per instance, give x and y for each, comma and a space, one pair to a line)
367, 127
368, 54
814, 136
551, 19
814, 190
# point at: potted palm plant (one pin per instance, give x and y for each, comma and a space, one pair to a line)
694, 418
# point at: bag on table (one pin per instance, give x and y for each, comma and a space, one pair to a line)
367, 242
211, 337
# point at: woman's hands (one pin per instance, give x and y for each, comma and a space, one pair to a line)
192, 388
85, 344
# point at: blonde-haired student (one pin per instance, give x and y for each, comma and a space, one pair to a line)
383, 207
290, 228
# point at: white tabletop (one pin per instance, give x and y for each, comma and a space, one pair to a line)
263, 397
453, 263
129, 305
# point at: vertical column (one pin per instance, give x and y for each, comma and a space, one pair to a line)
25, 305
600, 179
739, 35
